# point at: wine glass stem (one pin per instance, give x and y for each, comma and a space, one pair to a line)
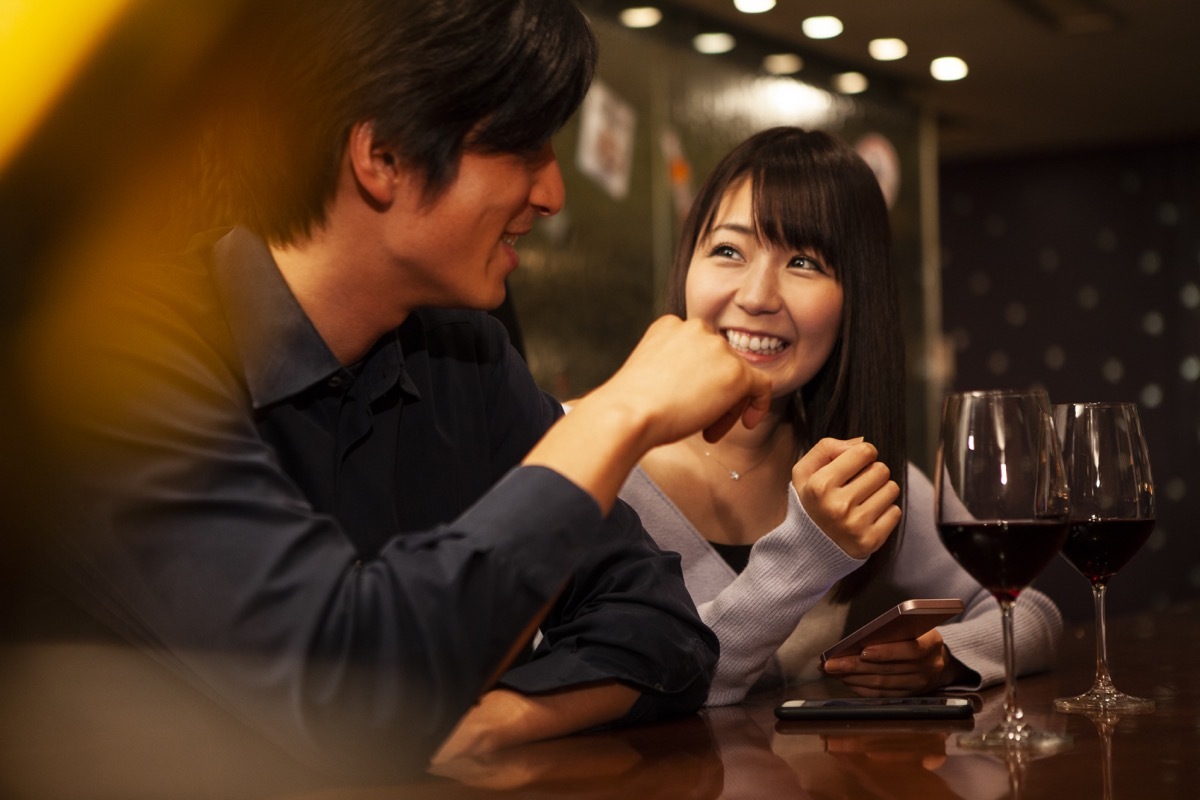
1013, 716
1103, 678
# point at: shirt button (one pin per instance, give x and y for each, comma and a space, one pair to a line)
335, 382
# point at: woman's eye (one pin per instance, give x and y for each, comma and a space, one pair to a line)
724, 251
804, 262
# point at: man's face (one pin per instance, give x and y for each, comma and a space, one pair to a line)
457, 250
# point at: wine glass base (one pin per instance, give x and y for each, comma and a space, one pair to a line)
1111, 701
1025, 739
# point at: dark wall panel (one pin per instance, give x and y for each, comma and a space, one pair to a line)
1081, 274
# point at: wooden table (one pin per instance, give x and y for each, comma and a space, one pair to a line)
743, 752
170, 750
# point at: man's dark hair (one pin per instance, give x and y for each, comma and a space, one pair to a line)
434, 77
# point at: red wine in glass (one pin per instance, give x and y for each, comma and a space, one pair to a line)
1099, 548
1004, 557
1112, 516
1001, 503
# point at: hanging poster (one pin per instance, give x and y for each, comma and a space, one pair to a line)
877, 150
606, 140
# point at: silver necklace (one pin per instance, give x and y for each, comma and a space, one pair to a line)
735, 475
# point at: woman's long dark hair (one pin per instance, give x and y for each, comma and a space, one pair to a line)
811, 190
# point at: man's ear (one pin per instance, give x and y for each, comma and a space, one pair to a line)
376, 168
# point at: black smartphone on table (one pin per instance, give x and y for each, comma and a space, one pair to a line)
876, 708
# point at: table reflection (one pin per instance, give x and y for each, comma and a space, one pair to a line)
894, 760
633, 763
61, 737
1105, 722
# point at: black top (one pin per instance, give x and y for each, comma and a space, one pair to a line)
735, 555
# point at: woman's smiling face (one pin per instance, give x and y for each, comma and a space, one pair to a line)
780, 309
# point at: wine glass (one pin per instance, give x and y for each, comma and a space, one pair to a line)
1112, 515
1001, 502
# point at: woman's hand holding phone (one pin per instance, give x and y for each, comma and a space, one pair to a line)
897, 669
898, 653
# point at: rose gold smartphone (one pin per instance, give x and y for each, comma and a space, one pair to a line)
908, 620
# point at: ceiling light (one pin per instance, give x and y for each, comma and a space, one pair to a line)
821, 27
713, 43
753, 6
948, 68
850, 82
783, 63
887, 49
640, 17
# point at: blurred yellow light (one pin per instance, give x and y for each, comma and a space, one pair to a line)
822, 27
713, 43
850, 82
753, 6
887, 49
43, 43
783, 63
948, 68
640, 17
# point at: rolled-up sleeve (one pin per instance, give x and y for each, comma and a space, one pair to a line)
626, 615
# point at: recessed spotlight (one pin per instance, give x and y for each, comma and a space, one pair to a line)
713, 43
850, 82
821, 27
753, 6
948, 68
783, 63
887, 49
640, 17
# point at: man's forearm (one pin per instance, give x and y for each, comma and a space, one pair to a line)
595, 447
504, 718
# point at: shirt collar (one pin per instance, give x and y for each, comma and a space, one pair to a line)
384, 366
281, 352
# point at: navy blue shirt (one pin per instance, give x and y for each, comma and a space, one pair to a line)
342, 555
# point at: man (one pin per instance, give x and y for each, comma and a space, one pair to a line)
282, 464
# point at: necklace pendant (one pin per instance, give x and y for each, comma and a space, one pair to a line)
733, 473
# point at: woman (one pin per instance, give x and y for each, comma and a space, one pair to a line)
791, 529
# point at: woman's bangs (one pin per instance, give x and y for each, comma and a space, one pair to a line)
788, 216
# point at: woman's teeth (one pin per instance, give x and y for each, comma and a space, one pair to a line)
754, 344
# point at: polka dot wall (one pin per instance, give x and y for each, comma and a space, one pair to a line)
1081, 275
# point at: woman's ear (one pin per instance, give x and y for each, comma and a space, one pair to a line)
375, 167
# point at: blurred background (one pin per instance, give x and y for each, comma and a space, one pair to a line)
1044, 205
